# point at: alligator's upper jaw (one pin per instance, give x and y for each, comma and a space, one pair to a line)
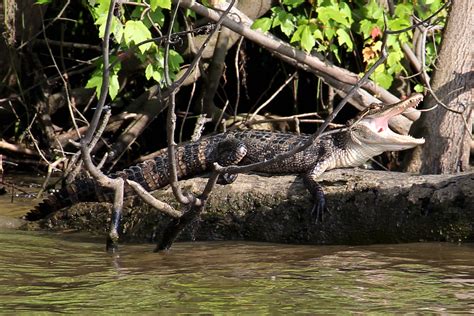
382, 135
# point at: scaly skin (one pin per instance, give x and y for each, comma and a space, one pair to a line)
366, 137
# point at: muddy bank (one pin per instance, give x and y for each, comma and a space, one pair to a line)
364, 207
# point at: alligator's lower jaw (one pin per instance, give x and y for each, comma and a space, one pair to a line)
392, 141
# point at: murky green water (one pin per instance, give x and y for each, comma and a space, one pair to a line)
45, 272
70, 273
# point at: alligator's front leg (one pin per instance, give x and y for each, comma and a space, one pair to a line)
229, 152
319, 201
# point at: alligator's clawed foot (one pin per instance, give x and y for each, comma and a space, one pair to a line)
226, 178
318, 210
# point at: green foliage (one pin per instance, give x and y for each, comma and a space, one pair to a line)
340, 27
136, 32
95, 81
155, 4
131, 30
263, 24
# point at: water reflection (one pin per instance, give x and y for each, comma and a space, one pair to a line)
71, 273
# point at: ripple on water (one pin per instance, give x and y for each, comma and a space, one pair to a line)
69, 273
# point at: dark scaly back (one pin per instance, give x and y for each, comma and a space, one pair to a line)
192, 158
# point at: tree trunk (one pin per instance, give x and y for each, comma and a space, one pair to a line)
448, 134
14, 31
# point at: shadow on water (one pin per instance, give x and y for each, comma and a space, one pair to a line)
72, 273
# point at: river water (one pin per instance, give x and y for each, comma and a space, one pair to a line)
71, 273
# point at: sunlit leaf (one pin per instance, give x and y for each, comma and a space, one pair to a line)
263, 24
403, 10
95, 82
136, 32
307, 40
293, 3
297, 35
330, 13
344, 38
114, 86
284, 20
174, 60
382, 78
165, 4
419, 88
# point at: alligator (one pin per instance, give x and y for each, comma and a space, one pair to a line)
366, 136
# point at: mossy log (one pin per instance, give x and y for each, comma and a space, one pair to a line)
364, 207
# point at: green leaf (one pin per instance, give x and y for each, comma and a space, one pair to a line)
366, 27
307, 40
293, 3
287, 27
174, 60
43, 1
284, 20
374, 10
149, 71
102, 8
335, 50
136, 32
346, 11
405, 37
330, 13
156, 16
419, 88
392, 41
264, 24
96, 79
329, 32
114, 86
404, 10
344, 38
317, 34
165, 4
394, 58
398, 24
116, 27
382, 78
297, 35
95, 82
377, 46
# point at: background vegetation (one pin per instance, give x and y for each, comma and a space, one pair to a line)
53, 76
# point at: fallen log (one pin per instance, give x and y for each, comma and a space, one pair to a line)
364, 207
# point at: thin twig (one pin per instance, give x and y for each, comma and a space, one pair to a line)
148, 198
65, 83
171, 117
57, 17
237, 76
273, 96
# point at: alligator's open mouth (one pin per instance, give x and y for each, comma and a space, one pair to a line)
377, 121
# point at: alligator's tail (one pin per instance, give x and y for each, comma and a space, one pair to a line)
80, 190
152, 174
